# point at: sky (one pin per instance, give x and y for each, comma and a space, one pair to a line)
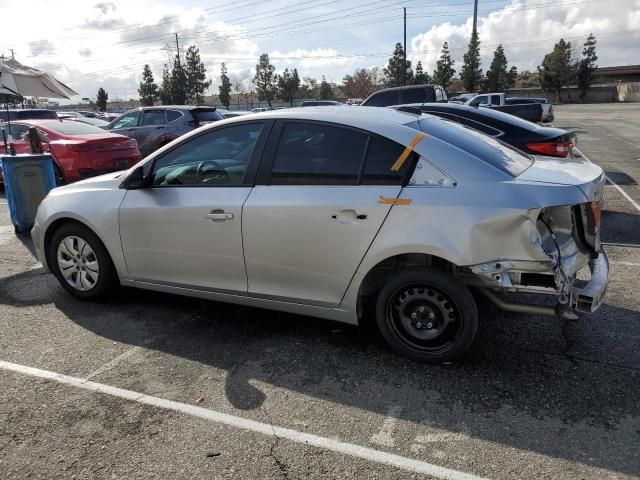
90, 44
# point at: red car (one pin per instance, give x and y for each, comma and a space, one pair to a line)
79, 150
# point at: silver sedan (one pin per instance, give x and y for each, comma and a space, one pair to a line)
348, 214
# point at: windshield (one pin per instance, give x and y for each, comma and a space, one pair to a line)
494, 152
73, 128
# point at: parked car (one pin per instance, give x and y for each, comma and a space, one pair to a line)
65, 115
96, 122
389, 97
88, 114
262, 109
321, 103
462, 98
28, 114
527, 136
547, 107
347, 214
498, 101
154, 127
78, 150
108, 116
231, 113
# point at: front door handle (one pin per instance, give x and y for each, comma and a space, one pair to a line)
219, 216
348, 217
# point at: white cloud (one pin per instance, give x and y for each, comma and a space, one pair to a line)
528, 30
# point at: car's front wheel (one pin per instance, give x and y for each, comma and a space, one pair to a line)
429, 315
81, 263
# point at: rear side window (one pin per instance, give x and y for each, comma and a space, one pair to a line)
152, 117
173, 115
381, 155
383, 99
317, 154
418, 95
203, 115
487, 149
481, 127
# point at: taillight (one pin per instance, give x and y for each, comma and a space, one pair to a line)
553, 149
596, 215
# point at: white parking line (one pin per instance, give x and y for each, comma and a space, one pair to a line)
631, 200
331, 444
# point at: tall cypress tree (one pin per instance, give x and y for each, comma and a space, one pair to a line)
264, 79
196, 76
393, 70
101, 99
587, 65
471, 73
178, 84
497, 73
558, 68
420, 77
165, 87
224, 90
148, 89
444, 71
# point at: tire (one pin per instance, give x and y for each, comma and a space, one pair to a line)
429, 316
92, 276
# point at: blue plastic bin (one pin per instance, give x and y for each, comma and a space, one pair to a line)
27, 180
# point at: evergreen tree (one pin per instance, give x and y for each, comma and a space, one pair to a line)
558, 68
101, 99
165, 87
224, 90
497, 73
148, 89
178, 84
325, 92
471, 73
288, 85
393, 70
512, 75
444, 71
420, 77
587, 65
264, 79
196, 77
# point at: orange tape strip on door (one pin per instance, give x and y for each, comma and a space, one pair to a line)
394, 201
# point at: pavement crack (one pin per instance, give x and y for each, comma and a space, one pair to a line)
282, 466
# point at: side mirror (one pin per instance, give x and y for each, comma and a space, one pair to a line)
136, 180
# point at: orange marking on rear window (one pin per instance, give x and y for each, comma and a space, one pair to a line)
397, 165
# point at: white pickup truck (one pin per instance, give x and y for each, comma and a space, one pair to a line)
533, 109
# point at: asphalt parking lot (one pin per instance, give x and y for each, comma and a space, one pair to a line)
244, 393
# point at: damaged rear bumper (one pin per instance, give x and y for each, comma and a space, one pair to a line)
573, 295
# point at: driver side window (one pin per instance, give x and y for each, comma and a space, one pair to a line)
219, 157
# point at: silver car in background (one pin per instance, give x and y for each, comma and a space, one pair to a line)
347, 214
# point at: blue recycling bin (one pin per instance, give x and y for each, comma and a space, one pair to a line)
27, 180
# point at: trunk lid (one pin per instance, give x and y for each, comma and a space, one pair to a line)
585, 175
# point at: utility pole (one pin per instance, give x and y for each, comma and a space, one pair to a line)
13, 57
475, 16
178, 47
404, 57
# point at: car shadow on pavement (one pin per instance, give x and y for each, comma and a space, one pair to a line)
562, 389
620, 227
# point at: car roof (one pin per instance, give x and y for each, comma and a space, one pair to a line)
175, 107
408, 87
349, 116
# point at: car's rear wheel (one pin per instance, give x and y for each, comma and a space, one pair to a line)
81, 263
429, 315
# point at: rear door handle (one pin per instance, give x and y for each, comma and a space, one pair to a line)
219, 216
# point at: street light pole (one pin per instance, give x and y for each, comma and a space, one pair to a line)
404, 58
475, 16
